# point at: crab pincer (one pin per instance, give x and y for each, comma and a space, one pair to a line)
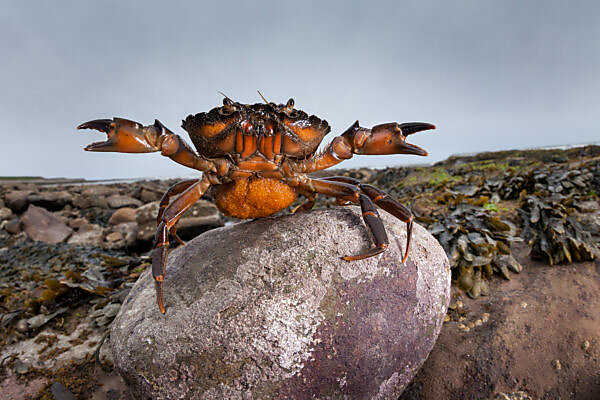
125, 136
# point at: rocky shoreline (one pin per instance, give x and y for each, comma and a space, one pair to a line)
70, 252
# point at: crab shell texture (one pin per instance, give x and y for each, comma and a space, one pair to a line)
255, 138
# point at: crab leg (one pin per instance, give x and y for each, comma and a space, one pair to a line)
387, 138
351, 193
170, 216
164, 202
126, 136
385, 201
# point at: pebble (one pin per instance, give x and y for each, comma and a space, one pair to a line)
114, 237
22, 326
556, 365
20, 367
111, 310
585, 345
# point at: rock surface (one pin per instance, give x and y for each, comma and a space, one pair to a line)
266, 309
44, 226
538, 333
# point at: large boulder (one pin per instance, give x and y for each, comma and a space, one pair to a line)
267, 309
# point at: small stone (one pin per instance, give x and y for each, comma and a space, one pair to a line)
471, 325
114, 237
478, 322
523, 304
5, 213
22, 326
78, 222
447, 318
20, 367
103, 320
125, 214
585, 345
61, 392
111, 310
119, 201
13, 226
556, 364
459, 304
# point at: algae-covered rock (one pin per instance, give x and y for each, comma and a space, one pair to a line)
267, 309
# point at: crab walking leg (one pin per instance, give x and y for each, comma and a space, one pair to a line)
387, 138
385, 201
306, 204
126, 136
161, 239
351, 193
164, 202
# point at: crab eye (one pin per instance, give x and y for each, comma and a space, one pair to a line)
290, 104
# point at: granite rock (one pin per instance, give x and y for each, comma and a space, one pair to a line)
267, 309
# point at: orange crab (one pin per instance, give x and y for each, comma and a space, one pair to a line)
255, 159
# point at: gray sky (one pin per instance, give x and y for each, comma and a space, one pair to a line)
491, 75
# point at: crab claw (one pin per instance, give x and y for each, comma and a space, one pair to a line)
125, 136
387, 138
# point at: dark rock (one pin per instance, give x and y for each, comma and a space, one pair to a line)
125, 214
51, 201
16, 200
119, 201
267, 309
42, 225
60, 392
14, 226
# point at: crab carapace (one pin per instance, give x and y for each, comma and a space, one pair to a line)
255, 159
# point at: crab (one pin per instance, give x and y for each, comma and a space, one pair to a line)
255, 159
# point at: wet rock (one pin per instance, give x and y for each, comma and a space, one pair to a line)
111, 310
52, 201
84, 201
76, 223
13, 226
114, 237
125, 214
41, 319
267, 309
148, 195
60, 392
122, 235
543, 314
20, 367
5, 214
88, 235
44, 226
119, 201
16, 200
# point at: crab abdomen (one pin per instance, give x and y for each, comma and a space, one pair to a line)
254, 197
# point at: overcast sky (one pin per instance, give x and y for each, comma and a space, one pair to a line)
490, 74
